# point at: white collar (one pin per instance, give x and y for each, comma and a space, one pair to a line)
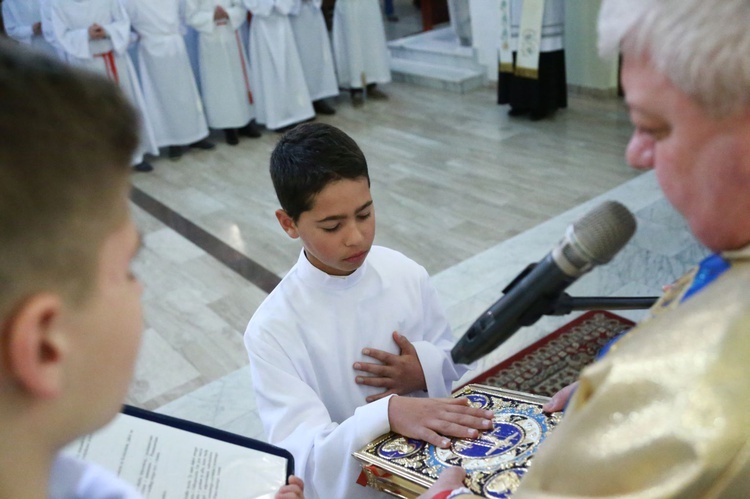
316, 277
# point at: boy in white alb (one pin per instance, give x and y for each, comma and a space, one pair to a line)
169, 89
223, 67
362, 58
95, 34
45, 8
277, 77
314, 48
349, 326
23, 22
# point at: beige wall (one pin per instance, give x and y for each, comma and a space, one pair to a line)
584, 67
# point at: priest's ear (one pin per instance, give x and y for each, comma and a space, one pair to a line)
287, 223
32, 345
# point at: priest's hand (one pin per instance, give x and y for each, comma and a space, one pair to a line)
560, 399
434, 420
398, 374
450, 479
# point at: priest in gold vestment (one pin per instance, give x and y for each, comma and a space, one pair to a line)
666, 411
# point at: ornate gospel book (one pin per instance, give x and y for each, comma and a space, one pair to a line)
494, 462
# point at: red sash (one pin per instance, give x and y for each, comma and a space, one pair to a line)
244, 68
109, 64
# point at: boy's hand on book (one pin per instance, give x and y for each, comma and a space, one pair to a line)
435, 419
398, 374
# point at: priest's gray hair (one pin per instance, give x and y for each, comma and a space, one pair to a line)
702, 46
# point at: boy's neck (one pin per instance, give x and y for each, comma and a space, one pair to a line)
24, 466
23, 474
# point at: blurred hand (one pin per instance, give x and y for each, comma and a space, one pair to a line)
435, 419
560, 399
96, 32
450, 479
398, 374
220, 15
293, 490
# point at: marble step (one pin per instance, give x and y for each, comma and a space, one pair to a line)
453, 79
439, 47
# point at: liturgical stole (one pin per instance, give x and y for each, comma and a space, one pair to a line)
529, 39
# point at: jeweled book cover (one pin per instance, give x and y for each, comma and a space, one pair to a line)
494, 463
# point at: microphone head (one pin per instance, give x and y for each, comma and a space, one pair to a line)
595, 238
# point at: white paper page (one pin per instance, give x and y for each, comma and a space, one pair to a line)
165, 462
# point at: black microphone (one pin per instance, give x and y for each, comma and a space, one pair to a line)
592, 240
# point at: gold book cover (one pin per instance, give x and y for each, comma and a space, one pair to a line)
494, 462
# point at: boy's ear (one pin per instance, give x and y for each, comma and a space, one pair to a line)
287, 223
33, 345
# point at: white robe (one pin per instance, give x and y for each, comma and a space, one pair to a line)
224, 70
314, 48
277, 78
19, 17
169, 89
71, 20
72, 478
302, 342
359, 43
45, 7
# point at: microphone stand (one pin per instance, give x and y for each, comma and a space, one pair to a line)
566, 303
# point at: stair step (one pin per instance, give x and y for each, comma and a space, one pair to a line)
454, 79
440, 47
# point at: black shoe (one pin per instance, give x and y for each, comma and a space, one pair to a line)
250, 130
392, 19
143, 166
230, 134
175, 152
203, 144
358, 99
537, 115
322, 107
375, 93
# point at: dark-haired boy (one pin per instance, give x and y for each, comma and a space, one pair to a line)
350, 325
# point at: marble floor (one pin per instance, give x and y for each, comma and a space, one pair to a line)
460, 187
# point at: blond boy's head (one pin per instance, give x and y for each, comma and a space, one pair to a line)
70, 318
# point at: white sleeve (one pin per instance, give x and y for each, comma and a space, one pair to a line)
434, 351
296, 7
237, 14
284, 6
45, 9
260, 8
119, 28
296, 419
75, 42
72, 478
201, 20
13, 28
